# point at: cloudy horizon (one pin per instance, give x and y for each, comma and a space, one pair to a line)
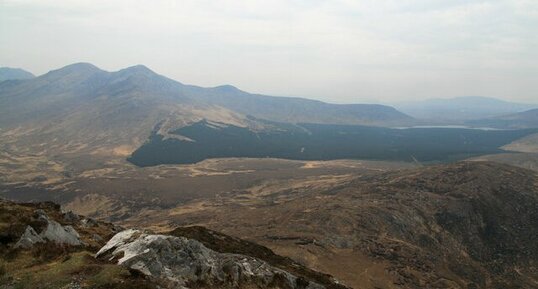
338, 51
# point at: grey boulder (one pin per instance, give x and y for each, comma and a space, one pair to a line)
178, 262
28, 239
53, 232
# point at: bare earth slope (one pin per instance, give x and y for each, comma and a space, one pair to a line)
463, 225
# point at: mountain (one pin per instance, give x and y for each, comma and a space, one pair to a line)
461, 225
84, 117
456, 110
301, 110
527, 144
525, 119
83, 110
7, 73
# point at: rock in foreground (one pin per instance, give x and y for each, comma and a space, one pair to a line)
178, 261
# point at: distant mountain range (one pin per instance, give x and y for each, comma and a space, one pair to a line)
83, 109
525, 119
8, 73
82, 80
461, 109
296, 110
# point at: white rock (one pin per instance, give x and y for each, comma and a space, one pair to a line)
62, 235
179, 260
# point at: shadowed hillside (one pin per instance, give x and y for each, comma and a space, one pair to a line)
525, 119
203, 140
462, 225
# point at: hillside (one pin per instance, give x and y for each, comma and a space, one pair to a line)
203, 140
85, 116
462, 225
81, 109
8, 73
371, 225
525, 119
43, 247
302, 110
459, 109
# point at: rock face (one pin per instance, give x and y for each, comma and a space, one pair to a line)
134, 259
60, 234
28, 239
223, 243
178, 261
53, 232
24, 225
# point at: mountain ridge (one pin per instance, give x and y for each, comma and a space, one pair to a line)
84, 110
9, 73
524, 119
460, 109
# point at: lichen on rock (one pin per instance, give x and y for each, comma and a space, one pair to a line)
180, 261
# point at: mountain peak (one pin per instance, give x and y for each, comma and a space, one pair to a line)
75, 69
137, 69
226, 88
80, 66
8, 73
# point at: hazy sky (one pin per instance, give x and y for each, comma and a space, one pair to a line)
338, 51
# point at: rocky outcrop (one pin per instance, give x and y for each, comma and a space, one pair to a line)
178, 261
60, 234
28, 239
223, 243
134, 259
89, 223
71, 217
52, 232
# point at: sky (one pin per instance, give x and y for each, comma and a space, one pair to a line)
341, 51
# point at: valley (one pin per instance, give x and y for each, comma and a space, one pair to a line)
268, 144
437, 226
203, 140
122, 189
370, 224
377, 200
